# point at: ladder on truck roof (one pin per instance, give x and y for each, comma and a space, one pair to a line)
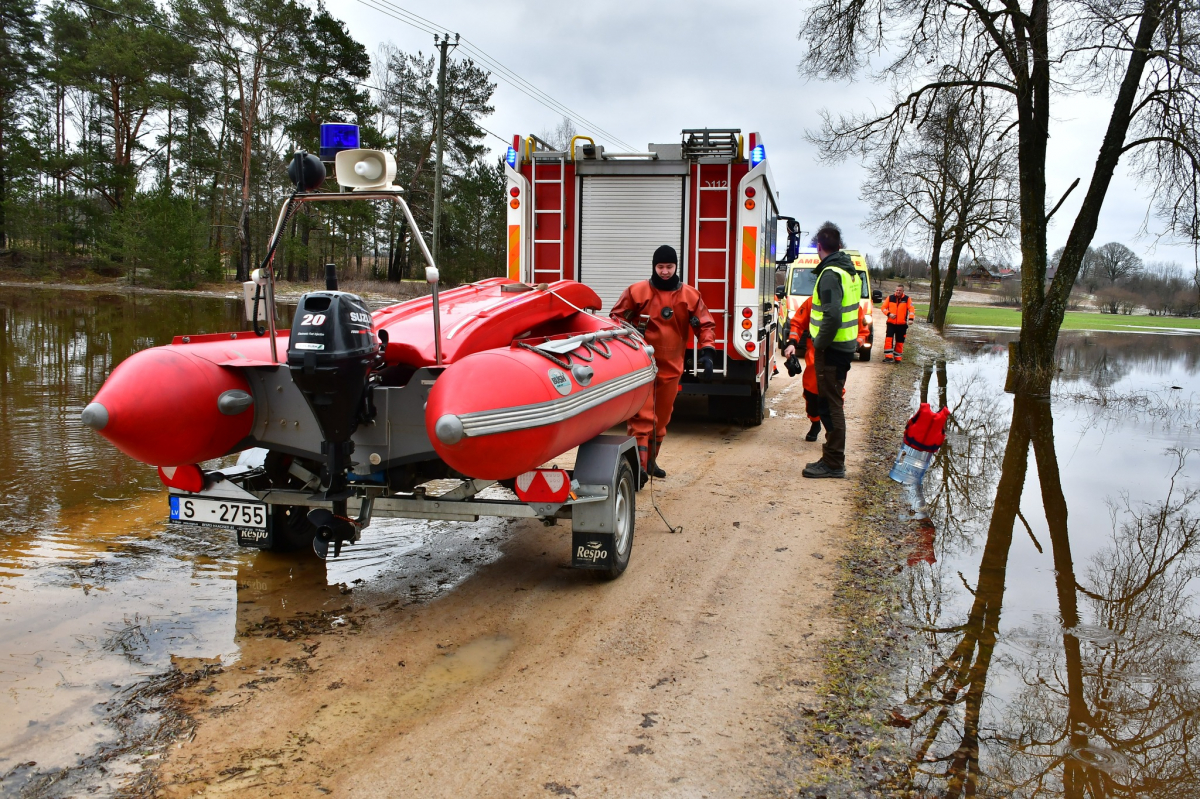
541, 272
711, 142
720, 315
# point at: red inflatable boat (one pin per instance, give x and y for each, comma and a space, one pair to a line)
526, 375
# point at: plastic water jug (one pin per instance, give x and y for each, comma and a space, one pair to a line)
911, 465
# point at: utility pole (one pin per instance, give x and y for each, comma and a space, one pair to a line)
443, 45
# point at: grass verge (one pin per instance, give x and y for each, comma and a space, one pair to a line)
846, 745
986, 316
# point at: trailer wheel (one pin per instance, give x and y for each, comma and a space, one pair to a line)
624, 517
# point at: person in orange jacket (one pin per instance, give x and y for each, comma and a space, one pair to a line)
797, 337
900, 313
665, 310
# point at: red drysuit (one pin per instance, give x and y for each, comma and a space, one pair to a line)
665, 318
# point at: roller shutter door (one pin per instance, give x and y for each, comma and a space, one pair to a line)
623, 220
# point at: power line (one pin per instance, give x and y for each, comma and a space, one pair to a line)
292, 65
509, 76
266, 58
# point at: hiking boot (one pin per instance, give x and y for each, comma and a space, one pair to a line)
813, 431
656, 471
820, 469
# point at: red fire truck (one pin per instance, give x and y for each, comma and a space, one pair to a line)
595, 216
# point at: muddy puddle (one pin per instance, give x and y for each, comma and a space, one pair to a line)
1052, 592
102, 604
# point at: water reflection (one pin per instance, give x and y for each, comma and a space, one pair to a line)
98, 596
1060, 645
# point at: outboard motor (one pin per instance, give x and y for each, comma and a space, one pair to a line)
330, 354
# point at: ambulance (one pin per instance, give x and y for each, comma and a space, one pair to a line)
595, 216
798, 283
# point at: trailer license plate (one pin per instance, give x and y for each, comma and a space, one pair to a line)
224, 513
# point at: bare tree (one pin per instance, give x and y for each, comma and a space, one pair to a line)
1115, 262
1143, 53
560, 136
953, 182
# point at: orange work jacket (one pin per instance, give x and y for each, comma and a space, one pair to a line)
666, 317
798, 333
899, 311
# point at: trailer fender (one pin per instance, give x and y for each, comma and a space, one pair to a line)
602, 532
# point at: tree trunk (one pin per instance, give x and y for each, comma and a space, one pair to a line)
943, 306
3, 195
243, 267
1042, 310
305, 230
291, 259
935, 272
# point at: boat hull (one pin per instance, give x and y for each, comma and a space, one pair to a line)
499, 413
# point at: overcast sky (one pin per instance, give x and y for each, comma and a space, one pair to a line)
646, 70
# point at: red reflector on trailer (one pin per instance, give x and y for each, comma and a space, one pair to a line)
514, 191
185, 478
543, 485
750, 346
749, 191
746, 312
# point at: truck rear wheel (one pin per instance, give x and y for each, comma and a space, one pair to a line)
624, 517
756, 408
749, 411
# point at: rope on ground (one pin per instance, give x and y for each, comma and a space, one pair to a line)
654, 502
661, 515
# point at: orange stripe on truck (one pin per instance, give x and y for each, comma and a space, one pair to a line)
749, 256
514, 252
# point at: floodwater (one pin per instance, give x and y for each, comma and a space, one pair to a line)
1053, 585
99, 596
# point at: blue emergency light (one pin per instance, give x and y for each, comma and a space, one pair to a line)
335, 137
511, 158
758, 155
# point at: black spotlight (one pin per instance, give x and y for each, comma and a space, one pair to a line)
306, 171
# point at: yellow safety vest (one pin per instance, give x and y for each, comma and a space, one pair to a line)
851, 288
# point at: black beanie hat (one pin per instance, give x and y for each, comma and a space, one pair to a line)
665, 255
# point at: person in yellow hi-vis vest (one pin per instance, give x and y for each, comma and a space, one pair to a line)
833, 325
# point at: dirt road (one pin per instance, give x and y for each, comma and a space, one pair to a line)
530, 679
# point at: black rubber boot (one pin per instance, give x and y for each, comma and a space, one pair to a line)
813, 431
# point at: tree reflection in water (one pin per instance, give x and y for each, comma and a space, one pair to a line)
1098, 700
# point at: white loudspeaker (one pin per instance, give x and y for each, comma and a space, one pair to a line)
365, 169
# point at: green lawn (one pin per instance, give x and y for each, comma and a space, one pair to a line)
1074, 320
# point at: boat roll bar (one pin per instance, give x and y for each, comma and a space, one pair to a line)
393, 194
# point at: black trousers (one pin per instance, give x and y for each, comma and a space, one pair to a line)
831, 382
896, 332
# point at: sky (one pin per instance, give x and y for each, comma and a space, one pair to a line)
646, 70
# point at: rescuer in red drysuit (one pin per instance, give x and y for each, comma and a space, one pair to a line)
665, 310
798, 338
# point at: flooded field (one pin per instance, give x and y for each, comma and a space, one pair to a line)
99, 597
1053, 585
